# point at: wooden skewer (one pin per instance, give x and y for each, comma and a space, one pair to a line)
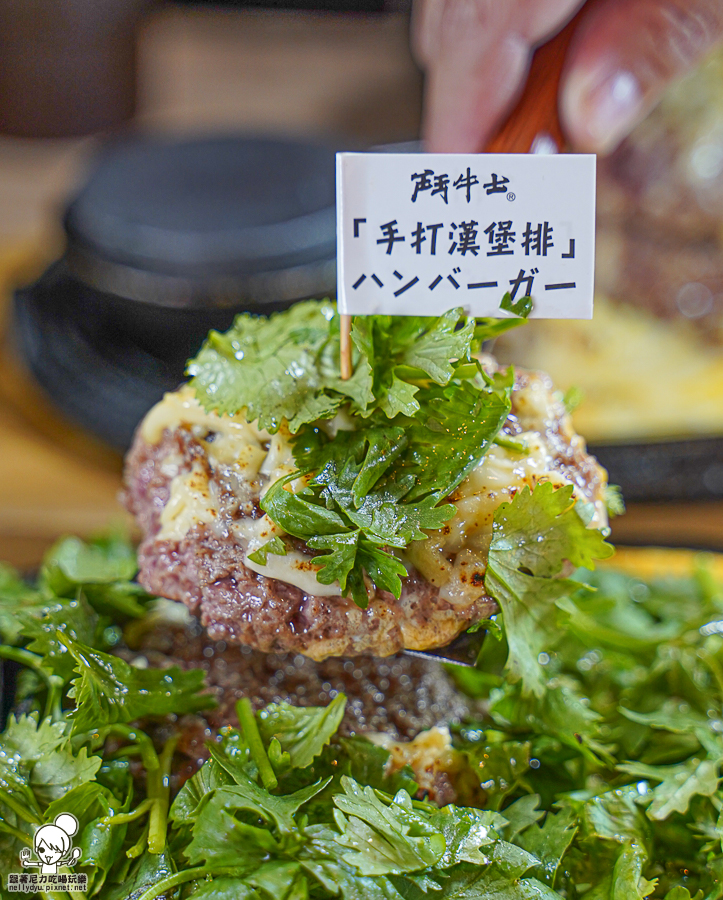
345, 347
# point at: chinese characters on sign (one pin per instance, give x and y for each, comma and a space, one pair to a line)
32, 883
420, 233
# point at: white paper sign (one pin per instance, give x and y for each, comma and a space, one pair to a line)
419, 233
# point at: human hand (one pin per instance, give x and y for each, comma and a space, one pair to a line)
621, 58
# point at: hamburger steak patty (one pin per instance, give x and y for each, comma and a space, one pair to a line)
399, 697
205, 570
205, 567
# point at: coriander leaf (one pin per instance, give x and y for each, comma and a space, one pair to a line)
72, 617
670, 717
549, 842
281, 880
678, 784
614, 836
385, 570
27, 740
121, 599
533, 537
521, 814
150, 869
224, 887
339, 563
443, 342
398, 397
368, 763
348, 554
468, 882
542, 529
522, 306
60, 770
382, 487
561, 713
72, 562
451, 434
87, 801
379, 839
339, 879
500, 767
466, 832
109, 690
298, 514
225, 841
275, 545
511, 860
406, 350
383, 447
15, 596
278, 809
598, 622
197, 791
306, 516
269, 367
101, 845
302, 732
359, 387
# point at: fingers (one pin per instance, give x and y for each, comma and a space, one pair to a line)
467, 95
476, 53
622, 57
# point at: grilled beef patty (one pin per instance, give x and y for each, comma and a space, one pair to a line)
184, 467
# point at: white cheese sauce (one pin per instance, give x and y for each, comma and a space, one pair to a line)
453, 558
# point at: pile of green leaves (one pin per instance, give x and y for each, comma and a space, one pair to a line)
420, 414
604, 706
595, 752
69, 745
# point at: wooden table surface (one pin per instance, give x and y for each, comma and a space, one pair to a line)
294, 73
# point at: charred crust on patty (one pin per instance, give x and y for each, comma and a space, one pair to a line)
205, 567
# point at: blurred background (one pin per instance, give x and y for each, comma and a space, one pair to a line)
163, 165
335, 74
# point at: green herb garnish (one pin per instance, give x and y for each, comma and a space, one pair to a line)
597, 774
422, 414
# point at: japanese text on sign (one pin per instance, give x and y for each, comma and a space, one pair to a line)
420, 233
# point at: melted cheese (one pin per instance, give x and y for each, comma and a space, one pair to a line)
294, 568
297, 569
189, 504
182, 408
453, 558
229, 441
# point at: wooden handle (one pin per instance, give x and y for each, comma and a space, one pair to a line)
536, 114
534, 117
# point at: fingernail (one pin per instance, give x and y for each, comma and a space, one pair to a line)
601, 108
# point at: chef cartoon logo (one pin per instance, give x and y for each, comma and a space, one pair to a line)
53, 847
